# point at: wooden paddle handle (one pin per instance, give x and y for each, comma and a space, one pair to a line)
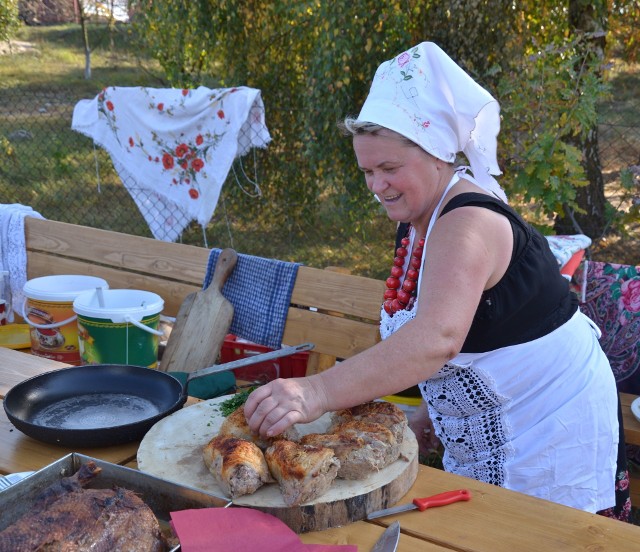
224, 267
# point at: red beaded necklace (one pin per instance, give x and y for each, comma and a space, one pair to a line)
395, 297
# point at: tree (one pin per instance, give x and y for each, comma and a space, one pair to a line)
314, 62
84, 19
9, 22
587, 19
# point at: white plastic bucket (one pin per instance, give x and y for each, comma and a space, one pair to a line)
118, 326
48, 309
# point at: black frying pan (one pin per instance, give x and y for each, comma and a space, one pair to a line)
105, 404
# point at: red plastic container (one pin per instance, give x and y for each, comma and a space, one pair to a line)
293, 366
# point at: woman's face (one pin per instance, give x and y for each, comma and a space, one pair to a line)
405, 178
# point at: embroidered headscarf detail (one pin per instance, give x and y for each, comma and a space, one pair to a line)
426, 97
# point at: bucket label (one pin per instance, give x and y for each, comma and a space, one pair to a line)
56, 342
102, 341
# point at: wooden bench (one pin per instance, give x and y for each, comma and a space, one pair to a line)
337, 312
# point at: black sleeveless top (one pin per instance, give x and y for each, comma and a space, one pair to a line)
531, 300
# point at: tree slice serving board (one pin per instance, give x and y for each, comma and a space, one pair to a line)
172, 450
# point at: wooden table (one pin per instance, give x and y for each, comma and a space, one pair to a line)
495, 520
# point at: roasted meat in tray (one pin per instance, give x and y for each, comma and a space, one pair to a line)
80, 503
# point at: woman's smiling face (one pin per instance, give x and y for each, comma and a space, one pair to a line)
404, 177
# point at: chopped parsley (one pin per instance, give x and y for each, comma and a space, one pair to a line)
235, 402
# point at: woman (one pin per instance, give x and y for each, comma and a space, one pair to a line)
517, 387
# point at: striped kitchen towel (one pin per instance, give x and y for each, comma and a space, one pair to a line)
260, 291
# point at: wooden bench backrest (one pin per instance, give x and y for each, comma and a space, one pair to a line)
337, 312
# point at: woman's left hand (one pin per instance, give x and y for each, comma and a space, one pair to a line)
276, 406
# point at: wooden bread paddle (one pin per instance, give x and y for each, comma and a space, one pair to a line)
202, 323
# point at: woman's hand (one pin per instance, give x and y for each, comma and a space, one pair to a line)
420, 423
274, 407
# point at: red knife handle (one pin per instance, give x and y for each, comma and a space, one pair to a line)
441, 499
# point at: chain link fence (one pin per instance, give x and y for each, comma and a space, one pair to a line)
61, 174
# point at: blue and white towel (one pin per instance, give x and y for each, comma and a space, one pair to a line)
260, 291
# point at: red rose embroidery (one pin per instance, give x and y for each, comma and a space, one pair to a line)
221, 114
182, 150
185, 91
184, 164
403, 59
130, 141
199, 140
197, 164
167, 161
109, 105
160, 106
193, 193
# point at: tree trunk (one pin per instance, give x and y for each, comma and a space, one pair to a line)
588, 18
85, 41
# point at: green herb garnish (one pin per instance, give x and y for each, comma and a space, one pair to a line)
231, 405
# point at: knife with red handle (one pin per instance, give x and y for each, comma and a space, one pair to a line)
422, 504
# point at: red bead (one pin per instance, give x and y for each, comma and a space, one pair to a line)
396, 271
390, 294
398, 261
412, 274
403, 296
393, 283
405, 241
417, 252
421, 242
387, 307
409, 285
415, 263
395, 305
402, 252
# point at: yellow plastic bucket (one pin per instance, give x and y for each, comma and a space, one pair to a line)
48, 309
119, 326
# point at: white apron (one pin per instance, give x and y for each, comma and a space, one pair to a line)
539, 418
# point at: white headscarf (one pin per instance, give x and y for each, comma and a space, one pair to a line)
426, 97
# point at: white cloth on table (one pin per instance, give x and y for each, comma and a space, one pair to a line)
564, 247
173, 148
13, 251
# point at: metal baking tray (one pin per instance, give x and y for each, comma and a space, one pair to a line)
163, 497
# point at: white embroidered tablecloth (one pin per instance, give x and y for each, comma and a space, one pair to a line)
173, 148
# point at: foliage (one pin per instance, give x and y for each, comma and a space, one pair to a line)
547, 98
9, 22
624, 18
314, 61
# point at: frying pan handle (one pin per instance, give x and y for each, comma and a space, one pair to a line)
140, 325
278, 353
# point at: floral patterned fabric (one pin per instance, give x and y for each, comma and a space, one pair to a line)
610, 295
174, 148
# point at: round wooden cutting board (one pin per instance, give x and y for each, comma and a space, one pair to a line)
172, 450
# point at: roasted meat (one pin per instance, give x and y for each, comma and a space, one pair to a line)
69, 518
304, 472
235, 425
382, 446
237, 465
381, 412
358, 458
